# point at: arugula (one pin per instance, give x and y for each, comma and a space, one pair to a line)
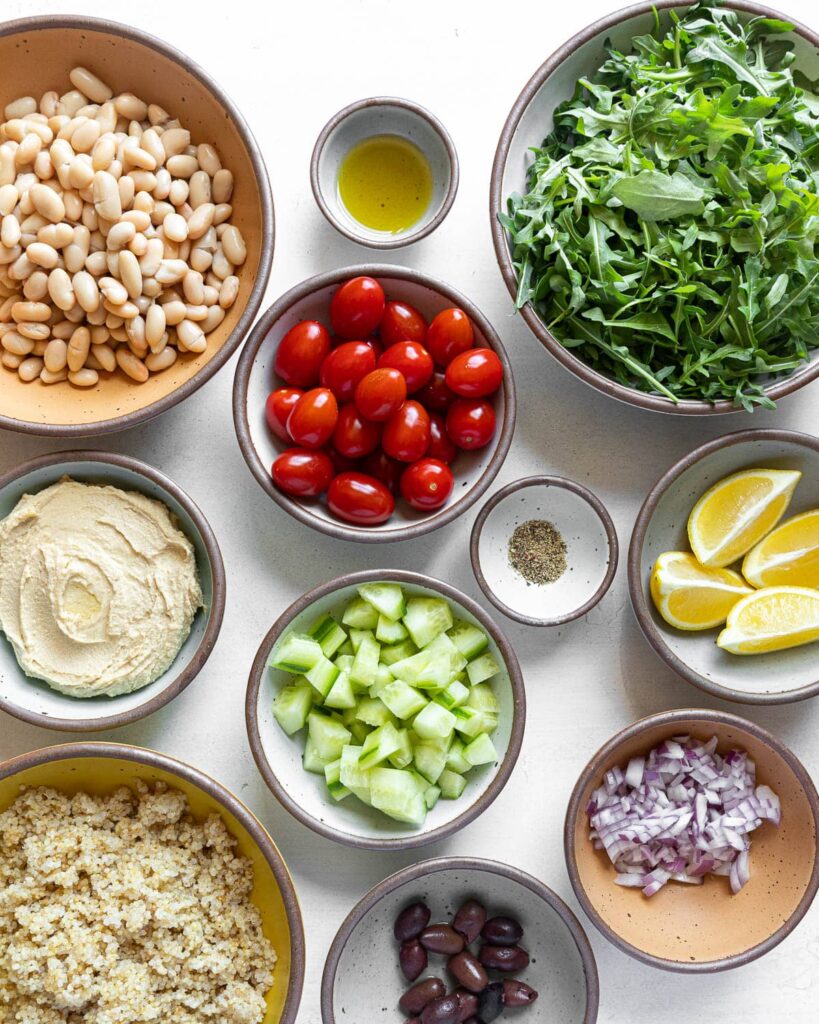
670, 233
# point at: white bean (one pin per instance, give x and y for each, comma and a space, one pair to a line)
86, 82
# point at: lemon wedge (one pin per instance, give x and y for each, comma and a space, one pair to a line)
789, 556
772, 619
691, 596
736, 513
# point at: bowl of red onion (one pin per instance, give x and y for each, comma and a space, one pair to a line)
691, 840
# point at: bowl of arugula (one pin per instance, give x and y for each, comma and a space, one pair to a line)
655, 206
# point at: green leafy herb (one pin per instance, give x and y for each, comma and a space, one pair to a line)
670, 234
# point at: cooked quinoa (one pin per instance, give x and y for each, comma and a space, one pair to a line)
123, 909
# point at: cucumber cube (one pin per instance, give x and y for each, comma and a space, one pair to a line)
346, 648
359, 614
434, 722
443, 647
429, 761
372, 712
344, 662
322, 676
296, 654
332, 776
383, 677
365, 665
469, 721
386, 598
424, 669
292, 706
469, 640
397, 652
455, 760
312, 760
403, 756
431, 796
451, 784
402, 699
341, 693
398, 795
453, 696
357, 636
360, 731
482, 698
481, 751
328, 735
389, 632
352, 775
482, 668
426, 617
379, 745
329, 635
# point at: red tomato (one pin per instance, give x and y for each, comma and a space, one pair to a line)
402, 322
475, 374
344, 367
302, 473
470, 423
411, 360
278, 407
357, 307
427, 483
354, 436
313, 419
449, 334
436, 395
383, 468
440, 446
380, 394
360, 499
406, 432
301, 353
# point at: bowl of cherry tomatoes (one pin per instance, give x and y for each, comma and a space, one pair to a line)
374, 403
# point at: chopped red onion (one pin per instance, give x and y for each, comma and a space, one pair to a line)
680, 813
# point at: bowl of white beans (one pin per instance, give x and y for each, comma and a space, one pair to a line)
136, 226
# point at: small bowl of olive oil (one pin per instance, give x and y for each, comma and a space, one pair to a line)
384, 172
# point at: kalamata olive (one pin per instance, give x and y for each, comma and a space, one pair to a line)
490, 1003
421, 993
441, 938
413, 1020
467, 1004
517, 993
411, 921
504, 958
413, 959
502, 931
467, 971
443, 1010
469, 920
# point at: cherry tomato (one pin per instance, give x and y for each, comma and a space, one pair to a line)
360, 499
412, 361
427, 483
380, 394
302, 473
436, 394
475, 374
354, 436
402, 322
357, 307
301, 353
440, 445
278, 407
344, 367
383, 468
406, 432
313, 419
470, 423
449, 334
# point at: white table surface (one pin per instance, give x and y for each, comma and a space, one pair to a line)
467, 62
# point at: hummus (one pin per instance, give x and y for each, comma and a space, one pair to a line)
98, 588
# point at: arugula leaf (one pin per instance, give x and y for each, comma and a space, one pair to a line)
657, 196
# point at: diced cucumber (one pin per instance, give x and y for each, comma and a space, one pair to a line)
329, 635
329, 735
352, 775
397, 652
482, 668
371, 711
365, 664
403, 756
429, 761
322, 675
469, 640
359, 614
451, 784
468, 721
360, 731
312, 760
397, 794
443, 647
426, 617
357, 636
481, 750
453, 696
341, 693
389, 632
490, 722
386, 598
431, 796
423, 669
296, 654
332, 776
379, 745
455, 760
434, 722
292, 706
344, 662
403, 700
346, 648
482, 698
383, 677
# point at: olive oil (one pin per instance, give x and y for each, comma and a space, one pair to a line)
385, 182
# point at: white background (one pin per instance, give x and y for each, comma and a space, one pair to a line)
289, 66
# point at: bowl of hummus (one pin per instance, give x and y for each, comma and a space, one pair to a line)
112, 590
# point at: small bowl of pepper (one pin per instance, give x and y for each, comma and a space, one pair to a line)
544, 550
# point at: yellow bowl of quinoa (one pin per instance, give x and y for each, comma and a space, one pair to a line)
133, 887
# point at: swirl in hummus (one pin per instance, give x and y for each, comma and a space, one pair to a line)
98, 587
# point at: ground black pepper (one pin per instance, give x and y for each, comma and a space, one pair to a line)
537, 551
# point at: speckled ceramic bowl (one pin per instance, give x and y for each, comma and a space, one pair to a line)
362, 981
383, 115
305, 795
99, 768
702, 929
591, 550
34, 701
777, 678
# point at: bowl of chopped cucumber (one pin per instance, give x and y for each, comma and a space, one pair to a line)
385, 709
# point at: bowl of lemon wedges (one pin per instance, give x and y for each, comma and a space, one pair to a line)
724, 567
